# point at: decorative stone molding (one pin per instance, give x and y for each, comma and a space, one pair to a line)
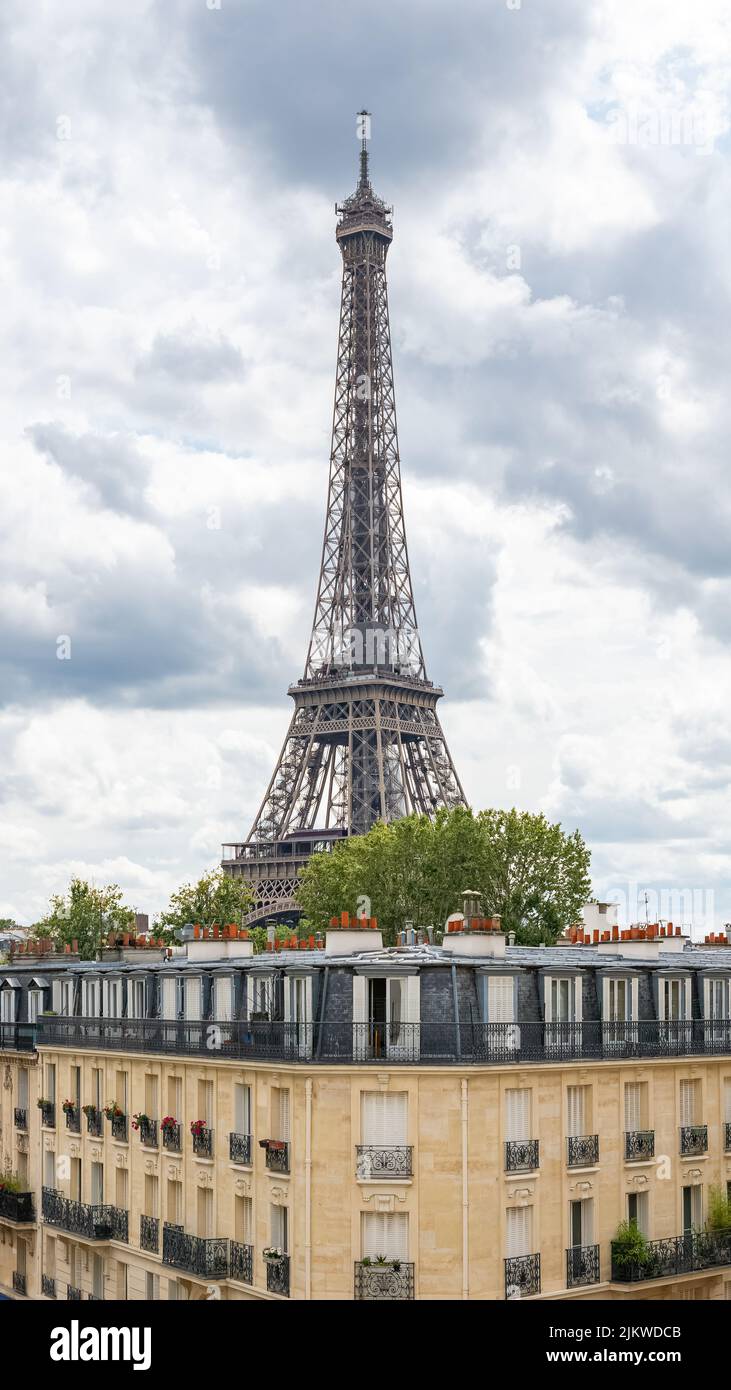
204, 1177
151, 1166
639, 1180
174, 1172
279, 1195
384, 1201
96, 1154
520, 1195
22, 1142
74, 1149
383, 1079
242, 1187
120, 1158
49, 1143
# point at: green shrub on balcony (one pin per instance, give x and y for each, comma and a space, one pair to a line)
719, 1210
630, 1247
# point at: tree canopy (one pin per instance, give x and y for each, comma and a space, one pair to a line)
85, 914
215, 898
532, 873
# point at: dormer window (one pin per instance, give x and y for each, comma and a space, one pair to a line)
112, 998
63, 997
193, 998
716, 999
386, 1011
136, 999
90, 996
673, 998
620, 1000
562, 1003
8, 1003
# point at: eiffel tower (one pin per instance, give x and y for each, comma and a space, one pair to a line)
364, 743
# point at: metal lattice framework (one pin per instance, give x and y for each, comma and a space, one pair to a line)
364, 743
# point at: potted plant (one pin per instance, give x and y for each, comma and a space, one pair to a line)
43, 1103
140, 1121
68, 1107
272, 1253
168, 1123
197, 1128
88, 1110
630, 1249
112, 1110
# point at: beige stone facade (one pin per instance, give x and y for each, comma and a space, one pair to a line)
450, 1221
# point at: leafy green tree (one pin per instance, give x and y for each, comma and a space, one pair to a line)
86, 914
215, 898
533, 874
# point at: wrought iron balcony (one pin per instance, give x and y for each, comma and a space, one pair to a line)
206, 1258
522, 1276
582, 1265
148, 1133
693, 1140
239, 1149
277, 1154
171, 1138
383, 1283
438, 1043
98, 1221
17, 1037
73, 1119
242, 1262
73, 1293
48, 1114
374, 1162
583, 1150
727, 1136
48, 1286
278, 1276
521, 1155
150, 1234
119, 1128
16, 1206
676, 1255
94, 1123
19, 1283
639, 1145
203, 1143
20, 1118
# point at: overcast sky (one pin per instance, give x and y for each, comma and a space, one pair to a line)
559, 286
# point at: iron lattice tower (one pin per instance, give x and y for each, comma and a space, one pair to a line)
364, 742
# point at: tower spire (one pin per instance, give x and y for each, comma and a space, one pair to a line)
364, 743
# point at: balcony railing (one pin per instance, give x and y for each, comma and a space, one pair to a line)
16, 1206
74, 1293
582, 1265
521, 1155
278, 1276
239, 1149
242, 1262
693, 1140
639, 1145
171, 1138
119, 1128
19, 1282
148, 1133
676, 1255
91, 1221
203, 1143
20, 1117
277, 1155
389, 1283
94, 1123
375, 1162
522, 1276
583, 1150
73, 1119
150, 1234
727, 1136
438, 1043
48, 1286
206, 1258
17, 1037
48, 1114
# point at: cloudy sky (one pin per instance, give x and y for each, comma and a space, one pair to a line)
559, 285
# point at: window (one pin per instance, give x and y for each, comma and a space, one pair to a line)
383, 1127
620, 1007
244, 1220
279, 1227
90, 996
151, 1095
578, 1108
563, 1000
692, 1208
96, 1087
205, 1103
23, 1088
205, 1212
635, 1106
152, 1286
75, 1180
35, 1004
193, 1007
690, 1099
716, 999
727, 1100
121, 1188
386, 1012
169, 997
242, 1109
385, 1233
120, 1093
518, 1232
97, 1276
136, 999
637, 1211
112, 998
63, 997
280, 1113
49, 1168
581, 1222
7, 1006
151, 1194
223, 998
50, 1091
175, 1202
518, 1116
673, 999
175, 1098
97, 1184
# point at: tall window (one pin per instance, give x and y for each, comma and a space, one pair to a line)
690, 1102
136, 999
578, 1110
205, 1212
635, 1106
280, 1113
151, 1194
97, 1183
518, 1115
518, 1232
638, 1210
279, 1226
385, 1233
692, 1208
243, 1220
242, 1109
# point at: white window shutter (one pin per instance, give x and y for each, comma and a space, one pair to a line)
688, 1093
283, 1114
360, 999
56, 994
548, 984
500, 999
193, 999
385, 1233
634, 995
517, 1114
727, 1101
411, 999
519, 1231
223, 1008
632, 1106
578, 992
687, 1011
575, 1097
169, 997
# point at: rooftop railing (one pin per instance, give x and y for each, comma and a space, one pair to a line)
439, 1043
675, 1255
